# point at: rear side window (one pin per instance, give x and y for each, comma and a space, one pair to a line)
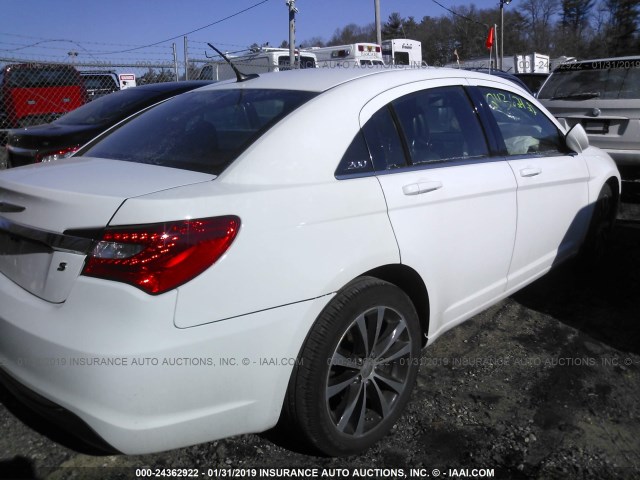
524, 128
201, 131
384, 141
604, 79
440, 124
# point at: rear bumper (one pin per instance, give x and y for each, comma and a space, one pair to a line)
142, 385
19, 157
62, 418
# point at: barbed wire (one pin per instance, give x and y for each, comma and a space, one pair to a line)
104, 44
194, 30
460, 15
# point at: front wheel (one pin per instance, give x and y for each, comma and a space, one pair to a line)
357, 368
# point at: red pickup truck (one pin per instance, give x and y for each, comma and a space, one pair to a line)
31, 94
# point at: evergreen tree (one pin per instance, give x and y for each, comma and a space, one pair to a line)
622, 32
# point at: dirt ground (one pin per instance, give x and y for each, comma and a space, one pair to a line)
543, 385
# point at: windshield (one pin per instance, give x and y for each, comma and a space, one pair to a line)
614, 79
201, 131
110, 108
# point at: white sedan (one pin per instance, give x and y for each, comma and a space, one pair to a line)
282, 247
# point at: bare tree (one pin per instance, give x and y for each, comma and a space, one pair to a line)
539, 22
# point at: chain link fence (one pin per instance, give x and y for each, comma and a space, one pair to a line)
39, 89
32, 93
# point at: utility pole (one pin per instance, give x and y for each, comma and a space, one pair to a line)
292, 32
378, 27
186, 58
175, 60
502, 4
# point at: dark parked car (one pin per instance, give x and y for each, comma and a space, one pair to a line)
99, 84
62, 137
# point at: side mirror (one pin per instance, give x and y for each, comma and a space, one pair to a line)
577, 139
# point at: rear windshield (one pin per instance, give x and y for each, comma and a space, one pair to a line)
40, 77
97, 82
202, 131
602, 79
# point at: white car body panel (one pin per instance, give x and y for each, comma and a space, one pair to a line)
552, 192
483, 200
83, 192
155, 407
302, 218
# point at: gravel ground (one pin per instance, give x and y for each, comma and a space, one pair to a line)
543, 385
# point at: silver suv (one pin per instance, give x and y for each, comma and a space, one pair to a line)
604, 96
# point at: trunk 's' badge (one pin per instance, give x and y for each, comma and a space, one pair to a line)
10, 208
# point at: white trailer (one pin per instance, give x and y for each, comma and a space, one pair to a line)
532, 63
402, 51
262, 61
358, 54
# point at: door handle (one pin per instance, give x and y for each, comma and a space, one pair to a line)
421, 187
530, 172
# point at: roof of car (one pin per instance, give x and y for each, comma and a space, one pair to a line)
323, 79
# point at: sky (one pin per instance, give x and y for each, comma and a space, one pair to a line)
49, 28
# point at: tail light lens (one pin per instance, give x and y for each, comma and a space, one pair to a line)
157, 258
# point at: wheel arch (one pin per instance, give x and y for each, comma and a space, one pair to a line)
409, 281
614, 183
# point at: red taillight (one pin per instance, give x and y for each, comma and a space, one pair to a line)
160, 257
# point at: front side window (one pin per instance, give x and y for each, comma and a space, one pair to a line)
440, 124
524, 128
203, 131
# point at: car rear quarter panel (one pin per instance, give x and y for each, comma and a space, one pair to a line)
304, 234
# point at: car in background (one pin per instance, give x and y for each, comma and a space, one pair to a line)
32, 94
603, 96
99, 83
62, 137
533, 80
208, 267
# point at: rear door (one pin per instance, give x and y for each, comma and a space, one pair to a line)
452, 206
552, 184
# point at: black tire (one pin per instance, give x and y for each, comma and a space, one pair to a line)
356, 369
600, 230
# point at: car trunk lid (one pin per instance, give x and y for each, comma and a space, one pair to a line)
41, 204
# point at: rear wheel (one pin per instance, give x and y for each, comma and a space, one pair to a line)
357, 368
